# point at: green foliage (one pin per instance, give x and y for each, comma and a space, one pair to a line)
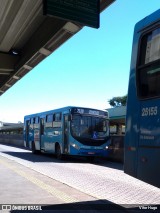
118, 101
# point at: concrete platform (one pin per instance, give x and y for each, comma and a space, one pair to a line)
45, 180
25, 189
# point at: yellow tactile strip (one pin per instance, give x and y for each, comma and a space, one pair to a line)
50, 189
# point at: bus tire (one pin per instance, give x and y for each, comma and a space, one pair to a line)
58, 152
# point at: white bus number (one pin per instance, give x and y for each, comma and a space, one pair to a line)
149, 111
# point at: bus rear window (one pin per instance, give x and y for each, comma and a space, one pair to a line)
148, 75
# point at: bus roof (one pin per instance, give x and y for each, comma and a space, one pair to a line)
150, 19
67, 108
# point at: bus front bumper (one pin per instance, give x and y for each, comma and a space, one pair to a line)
89, 150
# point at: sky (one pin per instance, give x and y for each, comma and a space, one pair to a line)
87, 70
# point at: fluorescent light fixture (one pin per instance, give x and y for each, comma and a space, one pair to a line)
44, 51
16, 77
15, 52
71, 28
7, 85
27, 67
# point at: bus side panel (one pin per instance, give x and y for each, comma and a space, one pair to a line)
52, 135
49, 140
37, 136
149, 142
148, 166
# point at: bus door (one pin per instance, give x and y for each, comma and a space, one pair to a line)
65, 133
42, 133
27, 123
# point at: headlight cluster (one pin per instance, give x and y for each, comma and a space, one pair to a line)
75, 146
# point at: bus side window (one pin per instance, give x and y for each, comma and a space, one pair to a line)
49, 118
42, 126
36, 120
26, 126
57, 117
148, 70
57, 120
32, 121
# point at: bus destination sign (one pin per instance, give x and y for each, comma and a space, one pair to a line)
89, 112
85, 12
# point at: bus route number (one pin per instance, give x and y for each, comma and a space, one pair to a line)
149, 111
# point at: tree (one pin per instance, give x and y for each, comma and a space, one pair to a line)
118, 101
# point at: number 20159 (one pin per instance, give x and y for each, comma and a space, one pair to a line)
149, 111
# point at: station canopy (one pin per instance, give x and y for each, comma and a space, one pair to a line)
117, 115
28, 34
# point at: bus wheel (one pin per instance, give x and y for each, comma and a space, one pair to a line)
58, 152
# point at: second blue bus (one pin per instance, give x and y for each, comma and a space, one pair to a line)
68, 131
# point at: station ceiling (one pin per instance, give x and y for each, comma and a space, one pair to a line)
27, 37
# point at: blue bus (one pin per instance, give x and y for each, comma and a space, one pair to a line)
68, 131
142, 139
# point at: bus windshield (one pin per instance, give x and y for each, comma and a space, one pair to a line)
89, 127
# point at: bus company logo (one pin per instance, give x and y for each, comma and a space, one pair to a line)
20, 207
6, 207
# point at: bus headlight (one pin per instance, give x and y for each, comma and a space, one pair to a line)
75, 146
106, 147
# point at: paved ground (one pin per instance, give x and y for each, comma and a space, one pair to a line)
42, 179
24, 188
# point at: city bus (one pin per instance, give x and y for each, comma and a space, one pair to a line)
142, 139
70, 130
